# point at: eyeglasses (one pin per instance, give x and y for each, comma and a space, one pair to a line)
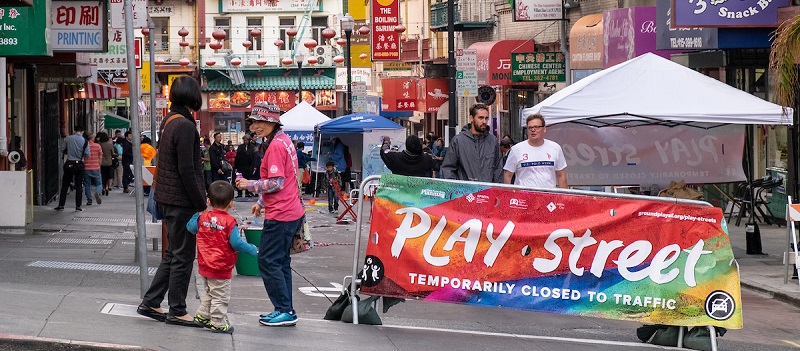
534, 127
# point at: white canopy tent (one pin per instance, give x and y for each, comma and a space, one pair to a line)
299, 123
650, 90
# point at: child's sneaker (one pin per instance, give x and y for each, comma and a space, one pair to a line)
283, 319
227, 329
202, 321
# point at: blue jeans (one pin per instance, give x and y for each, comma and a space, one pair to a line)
274, 262
333, 200
89, 178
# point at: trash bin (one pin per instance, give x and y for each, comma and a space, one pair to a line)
248, 264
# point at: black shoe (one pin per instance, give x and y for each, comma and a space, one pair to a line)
177, 321
147, 311
88, 202
59, 208
78, 209
97, 198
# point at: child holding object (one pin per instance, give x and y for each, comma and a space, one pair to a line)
218, 241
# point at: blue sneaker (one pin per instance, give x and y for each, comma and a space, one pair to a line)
268, 316
281, 320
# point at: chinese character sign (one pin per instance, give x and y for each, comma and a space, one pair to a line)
538, 67
24, 30
385, 41
651, 261
78, 26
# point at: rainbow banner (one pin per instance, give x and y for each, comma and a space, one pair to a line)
628, 259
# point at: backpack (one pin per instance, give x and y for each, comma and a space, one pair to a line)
347, 157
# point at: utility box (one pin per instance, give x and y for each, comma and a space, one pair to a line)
15, 194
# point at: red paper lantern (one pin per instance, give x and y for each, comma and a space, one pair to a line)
219, 34
278, 43
210, 62
312, 60
310, 44
216, 46
184, 44
400, 28
287, 61
184, 32
341, 41
338, 59
364, 30
291, 32
261, 62
255, 32
247, 44
236, 62
328, 33
184, 62
145, 31
363, 56
159, 61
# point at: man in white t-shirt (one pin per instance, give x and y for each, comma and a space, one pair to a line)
538, 162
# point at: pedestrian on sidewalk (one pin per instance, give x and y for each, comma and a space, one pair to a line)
412, 161
76, 148
92, 175
536, 162
474, 154
283, 211
218, 240
108, 162
332, 174
180, 193
127, 161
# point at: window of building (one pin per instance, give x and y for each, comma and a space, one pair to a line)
255, 23
318, 24
225, 24
161, 35
286, 23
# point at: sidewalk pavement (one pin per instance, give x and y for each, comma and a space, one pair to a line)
762, 273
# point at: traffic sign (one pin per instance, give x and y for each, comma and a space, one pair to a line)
467, 72
359, 96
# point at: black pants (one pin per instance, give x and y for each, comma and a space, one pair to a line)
175, 271
127, 175
70, 175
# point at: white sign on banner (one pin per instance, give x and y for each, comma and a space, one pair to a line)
118, 13
78, 26
359, 90
650, 154
466, 72
161, 101
359, 74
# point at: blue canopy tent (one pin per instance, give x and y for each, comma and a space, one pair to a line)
363, 133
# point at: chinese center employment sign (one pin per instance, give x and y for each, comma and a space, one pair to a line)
639, 260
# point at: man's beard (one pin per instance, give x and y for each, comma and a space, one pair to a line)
480, 129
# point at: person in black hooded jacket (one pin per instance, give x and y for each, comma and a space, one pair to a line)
409, 162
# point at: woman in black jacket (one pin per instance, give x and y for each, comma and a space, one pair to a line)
409, 162
180, 193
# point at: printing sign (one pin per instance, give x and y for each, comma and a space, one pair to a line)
78, 26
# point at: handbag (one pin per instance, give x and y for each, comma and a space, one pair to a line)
306, 177
302, 238
226, 166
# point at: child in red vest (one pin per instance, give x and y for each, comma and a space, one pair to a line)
218, 241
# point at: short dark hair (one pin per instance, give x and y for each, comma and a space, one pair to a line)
506, 143
330, 163
474, 109
102, 137
127, 132
78, 128
301, 144
146, 140
220, 194
536, 116
185, 91
217, 133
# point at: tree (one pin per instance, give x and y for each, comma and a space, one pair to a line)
783, 56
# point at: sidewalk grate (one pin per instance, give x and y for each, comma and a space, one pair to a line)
104, 219
80, 241
113, 268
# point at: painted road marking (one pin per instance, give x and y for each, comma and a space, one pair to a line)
326, 292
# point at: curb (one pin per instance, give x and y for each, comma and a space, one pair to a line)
32, 343
783, 297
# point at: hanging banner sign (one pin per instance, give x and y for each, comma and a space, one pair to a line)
628, 259
385, 41
650, 154
25, 30
79, 26
719, 14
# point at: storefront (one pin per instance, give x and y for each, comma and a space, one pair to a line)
586, 47
229, 105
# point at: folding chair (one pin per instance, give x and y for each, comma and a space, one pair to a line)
348, 206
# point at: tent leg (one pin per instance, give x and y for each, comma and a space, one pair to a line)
712, 332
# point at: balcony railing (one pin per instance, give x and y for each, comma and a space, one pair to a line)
469, 15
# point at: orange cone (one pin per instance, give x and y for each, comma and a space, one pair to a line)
312, 202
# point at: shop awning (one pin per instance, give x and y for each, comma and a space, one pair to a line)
271, 83
494, 60
93, 91
113, 121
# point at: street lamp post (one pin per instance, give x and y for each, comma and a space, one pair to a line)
347, 26
299, 57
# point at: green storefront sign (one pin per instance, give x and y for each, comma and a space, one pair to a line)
25, 31
538, 67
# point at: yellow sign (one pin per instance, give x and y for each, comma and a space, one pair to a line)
355, 55
357, 9
144, 77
